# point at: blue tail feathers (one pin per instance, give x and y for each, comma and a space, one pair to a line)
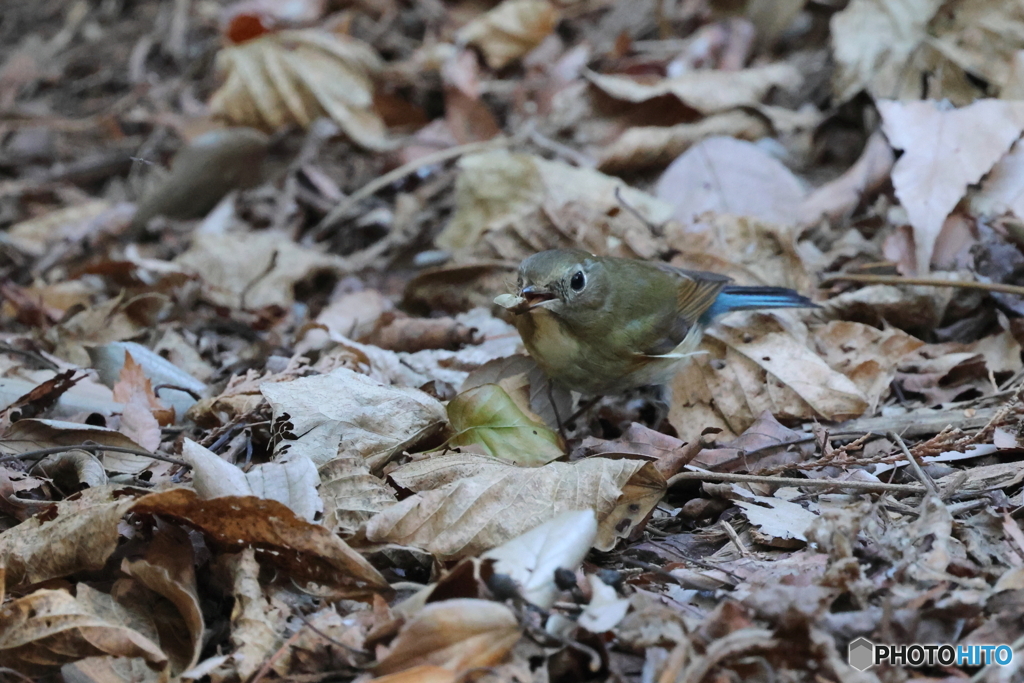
741, 298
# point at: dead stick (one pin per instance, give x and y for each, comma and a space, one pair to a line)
927, 281
868, 486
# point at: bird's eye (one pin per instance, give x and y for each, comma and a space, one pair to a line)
578, 281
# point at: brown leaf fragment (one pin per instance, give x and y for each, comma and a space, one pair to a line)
763, 444
469, 503
402, 333
510, 30
351, 494
78, 533
48, 628
256, 624
41, 398
305, 552
456, 634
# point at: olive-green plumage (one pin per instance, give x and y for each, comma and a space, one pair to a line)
602, 325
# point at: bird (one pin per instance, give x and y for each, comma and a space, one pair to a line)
602, 325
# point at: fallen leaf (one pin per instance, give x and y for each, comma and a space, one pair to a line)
256, 624
605, 609
345, 411
873, 41
532, 557
303, 551
865, 354
254, 270
778, 520
510, 30
143, 412
487, 417
945, 150
839, 198
27, 435
296, 76
456, 634
293, 482
708, 90
725, 175
469, 503
48, 628
79, 533
1001, 191
351, 494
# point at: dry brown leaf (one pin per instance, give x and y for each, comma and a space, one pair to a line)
469, 503
983, 37
399, 332
39, 399
764, 444
873, 41
728, 176
423, 673
840, 197
26, 435
865, 354
49, 628
945, 150
755, 363
505, 202
114, 320
256, 624
707, 91
305, 552
167, 569
752, 252
456, 634
351, 494
292, 483
780, 522
255, 270
109, 361
510, 30
356, 314
79, 533
296, 76
642, 147
347, 412
143, 412
73, 223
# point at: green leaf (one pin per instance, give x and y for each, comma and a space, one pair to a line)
485, 416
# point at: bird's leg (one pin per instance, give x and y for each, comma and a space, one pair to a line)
554, 408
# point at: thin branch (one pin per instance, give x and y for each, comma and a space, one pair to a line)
915, 465
867, 486
927, 281
91, 447
327, 224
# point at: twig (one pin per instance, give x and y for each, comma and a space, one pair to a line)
915, 465
372, 187
927, 281
867, 486
735, 538
92, 447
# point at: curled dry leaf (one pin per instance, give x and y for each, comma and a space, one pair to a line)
167, 569
469, 503
944, 151
840, 197
292, 483
708, 91
456, 634
255, 270
488, 418
755, 363
49, 628
643, 147
725, 175
306, 552
505, 203
403, 333
80, 533
510, 30
296, 76
347, 412
532, 557
764, 444
256, 623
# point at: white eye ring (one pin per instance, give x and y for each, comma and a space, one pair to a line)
578, 281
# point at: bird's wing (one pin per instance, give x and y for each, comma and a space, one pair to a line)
696, 291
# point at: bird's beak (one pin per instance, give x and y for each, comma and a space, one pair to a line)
536, 296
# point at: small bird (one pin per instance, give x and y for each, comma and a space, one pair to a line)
602, 325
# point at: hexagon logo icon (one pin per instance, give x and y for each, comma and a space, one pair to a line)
862, 654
